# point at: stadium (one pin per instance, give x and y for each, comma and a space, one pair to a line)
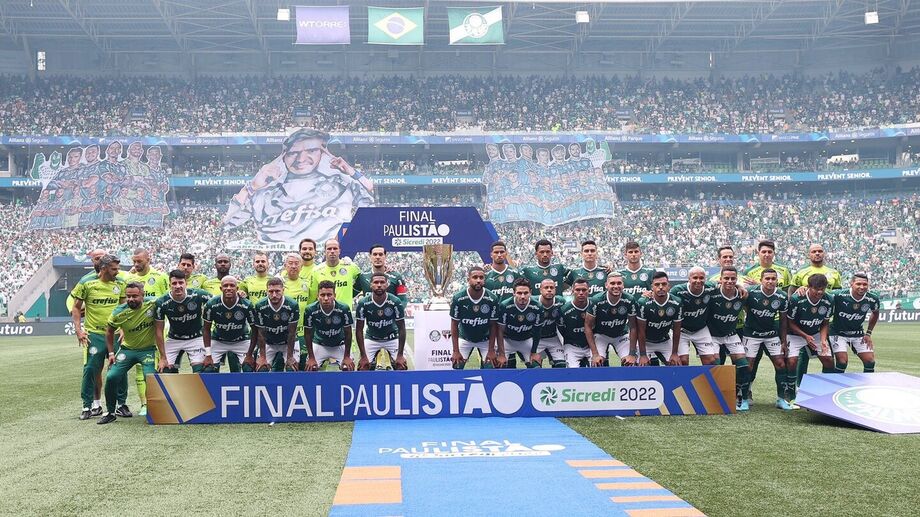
203, 148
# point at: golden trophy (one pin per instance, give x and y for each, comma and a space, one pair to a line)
438, 263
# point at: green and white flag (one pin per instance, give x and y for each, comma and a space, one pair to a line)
475, 25
395, 26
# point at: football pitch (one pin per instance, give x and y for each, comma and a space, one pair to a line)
766, 462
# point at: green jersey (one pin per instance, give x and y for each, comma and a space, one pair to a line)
273, 323
397, 285
596, 277
184, 315
502, 283
783, 275
611, 318
571, 323
344, 276
850, 313
255, 287
635, 283
474, 317
724, 313
800, 279
659, 318
136, 324
380, 320
298, 290
520, 324
156, 283
810, 316
328, 328
762, 311
229, 324
99, 299
550, 315
536, 274
694, 307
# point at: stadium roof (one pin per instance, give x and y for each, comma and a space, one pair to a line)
647, 28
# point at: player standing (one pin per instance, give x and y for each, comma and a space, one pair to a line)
636, 278
182, 307
396, 282
579, 346
383, 315
501, 277
276, 329
656, 318
156, 284
343, 276
307, 249
519, 324
612, 322
135, 319
298, 289
725, 306
726, 258
256, 286
226, 330
808, 327
595, 275
327, 325
851, 307
694, 297
193, 280
473, 321
544, 267
765, 326
222, 267
549, 344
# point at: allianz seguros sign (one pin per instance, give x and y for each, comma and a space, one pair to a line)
306, 397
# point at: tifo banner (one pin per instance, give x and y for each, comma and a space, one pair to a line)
475, 25
550, 186
96, 184
410, 228
396, 26
306, 191
322, 25
312, 397
883, 401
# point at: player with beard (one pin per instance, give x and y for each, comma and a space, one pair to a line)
473, 322
380, 325
256, 286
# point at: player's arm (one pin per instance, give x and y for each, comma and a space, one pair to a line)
110, 343
206, 339
401, 346
75, 315
825, 328
363, 361
633, 339
158, 329
347, 363
260, 341
641, 326
493, 336
867, 337
291, 339
500, 358
456, 358
311, 365
675, 343
596, 358
783, 331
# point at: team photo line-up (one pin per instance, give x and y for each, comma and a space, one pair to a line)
303, 317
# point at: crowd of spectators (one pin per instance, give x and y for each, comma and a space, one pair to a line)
96, 106
672, 231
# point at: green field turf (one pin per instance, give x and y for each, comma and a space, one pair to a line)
763, 463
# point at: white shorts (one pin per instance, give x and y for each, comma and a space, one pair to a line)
332, 353
574, 355
272, 351
371, 347
797, 343
701, 339
731, 343
664, 348
752, 345
521, 347
620, 345
552, 347
194, 348
221, 348
841, 343
466, 348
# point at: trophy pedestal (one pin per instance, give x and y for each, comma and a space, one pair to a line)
437, 303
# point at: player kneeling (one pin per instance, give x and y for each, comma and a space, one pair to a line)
276, 329
380, 325
519, 323
327, 323
473, 322
227, 322
550, 345
580, 349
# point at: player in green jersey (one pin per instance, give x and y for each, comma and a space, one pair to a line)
545, 268
226, 331
655, 319
694, 297
595, 274
612, 321
579, 346
725, 306
343, 276
474, 321
135, 320
182, 308
765, 325
327, 324
816, 256
156, 284
550, 344
726, 257
519, 325
637, 279
500, 276
397, 284
307, 248
97, 294
380, 324
276, 328
255, 287
298, 289
851, 308
808, 326
222, 266
187, 265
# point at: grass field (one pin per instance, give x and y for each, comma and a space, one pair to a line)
763, 463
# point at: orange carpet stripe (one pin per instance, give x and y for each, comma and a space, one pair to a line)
666, 512
644, 498
595, 463
357, 473
638, 485
374, 491
618, 473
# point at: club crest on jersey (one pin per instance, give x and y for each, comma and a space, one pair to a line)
643, 277
670, 311
238, 316
336, 320
509, 278
151, 280
343, 271
737, 306
599, 275
285, 315
388, 312
553, 271
192, 306
116, 290
822, 310
706, 299
775, 304
865, 307
622, 310
485, 308
149, 313
530, 316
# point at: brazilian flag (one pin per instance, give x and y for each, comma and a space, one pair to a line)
395, 26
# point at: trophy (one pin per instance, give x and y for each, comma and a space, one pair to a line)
439, 268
